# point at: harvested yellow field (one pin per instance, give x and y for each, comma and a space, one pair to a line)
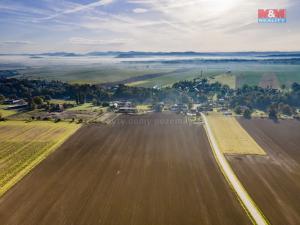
23, 145
142, 108
6, 113
231, 137
136, 83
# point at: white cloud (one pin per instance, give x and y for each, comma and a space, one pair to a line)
88, 6
80, 8
88, 41
140, 10
157, 25
16, 42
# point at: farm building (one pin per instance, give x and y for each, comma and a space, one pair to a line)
127, 110
14, 102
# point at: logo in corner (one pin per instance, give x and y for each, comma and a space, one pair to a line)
272, 16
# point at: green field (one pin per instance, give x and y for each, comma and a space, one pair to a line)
5, 113
61, 101
251, 78
225, 79
23, 145
168, 80
86, 106
251, 75
288, 77
89, 74
241, 73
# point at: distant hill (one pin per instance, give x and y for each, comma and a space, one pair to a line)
138, 54
178, 54
109, 53
295, 61
294, 54
62, 54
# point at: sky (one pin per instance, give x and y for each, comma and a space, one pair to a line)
34, 26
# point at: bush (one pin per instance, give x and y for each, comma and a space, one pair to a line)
105, 104
247, 114
238, 110
273, 114
37, 100
287, 110
297, 117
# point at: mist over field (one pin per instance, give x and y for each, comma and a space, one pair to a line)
65, 58
149, 112
155, 69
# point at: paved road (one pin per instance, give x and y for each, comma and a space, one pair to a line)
249, 205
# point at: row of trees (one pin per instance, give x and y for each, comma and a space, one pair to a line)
272, 101
243, 100
23, 88
246, 99
184, 91
35, 91
201, 90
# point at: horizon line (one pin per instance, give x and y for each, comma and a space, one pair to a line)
134, 51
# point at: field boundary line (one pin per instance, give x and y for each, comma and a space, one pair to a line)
255, 214
34, 163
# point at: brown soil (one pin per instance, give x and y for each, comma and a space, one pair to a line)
273, 180
154, 169
269, 81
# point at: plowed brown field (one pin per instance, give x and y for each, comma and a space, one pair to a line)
153, 169
273, 181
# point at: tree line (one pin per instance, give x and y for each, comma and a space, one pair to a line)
248, 98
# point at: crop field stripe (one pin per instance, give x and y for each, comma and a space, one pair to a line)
35, 162
16, 166
252, 210
10, 156
17, 152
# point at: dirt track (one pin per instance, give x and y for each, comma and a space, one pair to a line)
156, 170
273, 181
